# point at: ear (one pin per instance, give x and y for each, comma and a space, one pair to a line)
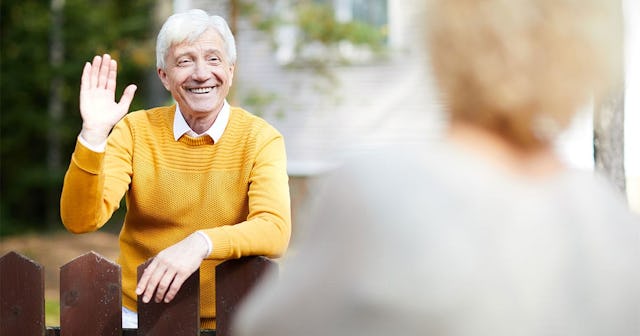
232, 68
164, 79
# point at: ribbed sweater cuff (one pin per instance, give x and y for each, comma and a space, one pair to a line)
87, 159
220, 242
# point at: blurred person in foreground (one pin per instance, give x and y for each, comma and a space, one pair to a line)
486, 233
203, 181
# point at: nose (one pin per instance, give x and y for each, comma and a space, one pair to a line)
201, 72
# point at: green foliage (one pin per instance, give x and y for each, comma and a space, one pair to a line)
88, 28
261, 102
318, 23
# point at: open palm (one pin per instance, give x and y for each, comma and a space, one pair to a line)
98, 108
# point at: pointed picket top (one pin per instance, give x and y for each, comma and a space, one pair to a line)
180, 317
21, 296
90, 296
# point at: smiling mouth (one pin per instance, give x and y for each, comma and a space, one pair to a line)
201, 90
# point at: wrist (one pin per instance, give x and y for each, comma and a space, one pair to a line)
94, 137
206, 241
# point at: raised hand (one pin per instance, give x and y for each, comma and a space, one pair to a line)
171, 268
98, 107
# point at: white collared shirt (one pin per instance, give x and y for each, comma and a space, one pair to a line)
180, 126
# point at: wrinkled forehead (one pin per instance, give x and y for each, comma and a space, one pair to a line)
196, 36
209, 39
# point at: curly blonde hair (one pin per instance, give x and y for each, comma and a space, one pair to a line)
522, 68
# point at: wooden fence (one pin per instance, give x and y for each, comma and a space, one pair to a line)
91, 298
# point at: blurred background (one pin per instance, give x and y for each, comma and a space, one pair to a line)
334, 76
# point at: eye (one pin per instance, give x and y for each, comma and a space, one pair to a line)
214, 59
184, 61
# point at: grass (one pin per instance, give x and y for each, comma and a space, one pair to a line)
52, 313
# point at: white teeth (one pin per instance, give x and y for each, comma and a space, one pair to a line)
201, 90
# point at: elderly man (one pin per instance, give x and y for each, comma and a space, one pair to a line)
203, 181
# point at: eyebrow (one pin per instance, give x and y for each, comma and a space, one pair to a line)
190, 50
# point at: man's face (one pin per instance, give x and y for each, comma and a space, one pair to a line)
198, 74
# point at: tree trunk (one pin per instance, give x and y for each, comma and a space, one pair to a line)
155, 93
608, 122
233, 25
55, 108
608, 138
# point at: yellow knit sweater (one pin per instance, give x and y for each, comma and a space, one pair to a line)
236, 190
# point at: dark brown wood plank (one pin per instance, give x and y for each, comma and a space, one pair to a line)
21, 296
90, 296
234, 280
55, 331
180, 317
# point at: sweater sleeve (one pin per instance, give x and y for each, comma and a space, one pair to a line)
268, 226
95, 182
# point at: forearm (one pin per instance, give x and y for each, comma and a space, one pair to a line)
267, 236
83, 207
267, 228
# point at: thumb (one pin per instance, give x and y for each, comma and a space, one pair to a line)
127, 96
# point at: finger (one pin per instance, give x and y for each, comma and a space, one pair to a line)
85, 80
152, 285
163, 285
144, 279
175, 287
95, 68
111, 76
127, 96
104, 71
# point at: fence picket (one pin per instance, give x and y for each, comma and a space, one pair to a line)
90, 297
234, 279
22, 296
180, 317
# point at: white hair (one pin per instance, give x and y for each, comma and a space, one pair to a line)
188, 26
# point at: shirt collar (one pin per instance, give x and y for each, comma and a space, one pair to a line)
180, 126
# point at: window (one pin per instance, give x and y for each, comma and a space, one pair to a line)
372, 12
335, 31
